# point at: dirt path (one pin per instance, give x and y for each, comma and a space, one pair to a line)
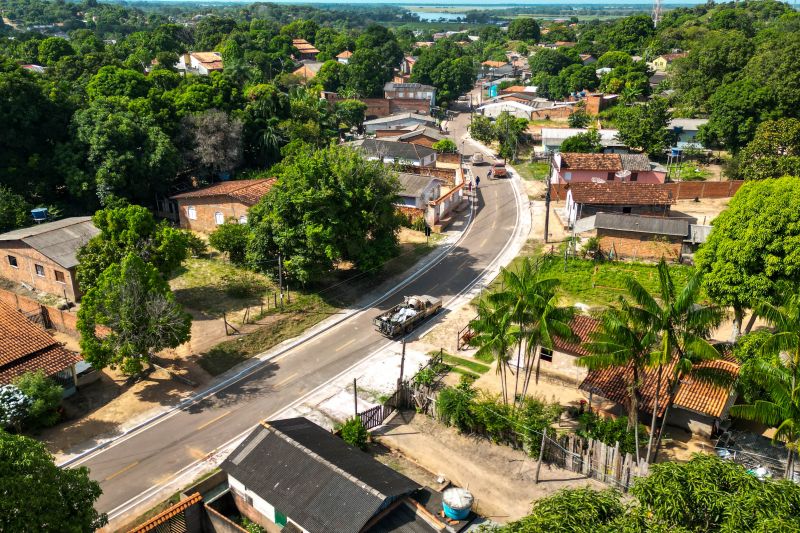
500, 478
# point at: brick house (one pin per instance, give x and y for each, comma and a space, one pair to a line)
641, 237
587, 199
399, 121
699, 406
420, 134
559, 361
44, 257
577, 167
412, 91
26, 347
204, 209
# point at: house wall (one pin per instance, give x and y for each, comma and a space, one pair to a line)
495, 111
206, 208
553, 112
25, 271
629, 244
449, 161
563, 367
695, 423
585, 176
258, 510
404, 94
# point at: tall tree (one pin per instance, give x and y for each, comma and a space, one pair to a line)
624, 342
774, 151
329, 205
135, 303
645, 126
215, 142
750, 254
781, 382
495, 335
129, 229
524, 29
39, 496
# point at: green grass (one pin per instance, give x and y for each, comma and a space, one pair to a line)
474, 366
228, 354
533, 171
689, 171
458, 370
598, 284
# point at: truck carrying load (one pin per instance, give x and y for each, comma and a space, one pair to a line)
402, 318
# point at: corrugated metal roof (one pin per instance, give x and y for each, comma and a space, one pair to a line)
314, 477
698, 233
678, 227
393, 149
413, 185
59, 240
552, 136
635, 162
402, 116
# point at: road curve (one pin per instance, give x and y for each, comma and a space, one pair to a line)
153, 455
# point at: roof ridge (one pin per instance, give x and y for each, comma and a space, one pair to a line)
372, 490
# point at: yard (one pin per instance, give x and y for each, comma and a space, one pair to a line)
537, 171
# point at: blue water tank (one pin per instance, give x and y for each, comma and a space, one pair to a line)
456, 503
39, 214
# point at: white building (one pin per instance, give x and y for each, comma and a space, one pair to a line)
202, 63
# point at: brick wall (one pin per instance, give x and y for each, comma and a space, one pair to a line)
411, 212
65, 321
206, 209
377, 107
25, 271
448, 175
408, 105
632, 245
389, 133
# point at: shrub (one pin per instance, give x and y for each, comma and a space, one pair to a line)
14, 405
231, 238
444, 146
197, 246
243, 285
354, 433
494, 418
453, 406
418, 224
45, 396
611, 431
425, 377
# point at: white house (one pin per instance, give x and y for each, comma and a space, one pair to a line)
517, 109
399, 121
202, 63
396, 152
553, 138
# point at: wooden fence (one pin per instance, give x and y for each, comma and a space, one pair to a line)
594, 459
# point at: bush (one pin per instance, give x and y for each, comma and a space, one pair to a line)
453, 406
197, 246
45, 395
14, 406
611, 431
418, 224
231, 238
354, 433
243, 285
425, 377
445, 146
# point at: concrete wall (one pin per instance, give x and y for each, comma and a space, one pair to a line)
64, 321
632, 245
206, 209
563, 367
695, 423
25, 271
556, 112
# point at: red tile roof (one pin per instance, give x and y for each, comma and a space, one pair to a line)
693, 394
582, 326
26, 348
344, 55
604, 162
495, 64
249, 192
168, 514
621, 193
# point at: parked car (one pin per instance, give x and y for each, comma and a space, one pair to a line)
499, 169
477, 158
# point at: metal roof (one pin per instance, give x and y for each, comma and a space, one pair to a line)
687, 124
394, 149
392, 86
402, 116
413, 185
314, 477
551, 136
59, 240
678, 227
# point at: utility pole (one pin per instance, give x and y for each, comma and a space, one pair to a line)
355, 396
402, 364
280, 276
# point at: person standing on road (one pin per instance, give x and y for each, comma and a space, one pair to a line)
489, 174
477, 182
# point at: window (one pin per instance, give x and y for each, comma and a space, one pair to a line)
634, 176
39, 270
60, 276
546, 355
13, 261
626, 210
243, 219
191, 213
610, 176
219, 218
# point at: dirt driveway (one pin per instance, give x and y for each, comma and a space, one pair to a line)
500, 478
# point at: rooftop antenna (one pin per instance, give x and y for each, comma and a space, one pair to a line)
656, 12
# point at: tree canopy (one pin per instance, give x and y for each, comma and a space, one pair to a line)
38, 495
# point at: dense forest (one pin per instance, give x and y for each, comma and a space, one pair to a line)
108, 116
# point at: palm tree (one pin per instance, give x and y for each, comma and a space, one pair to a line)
781, 382
623, 342
683, 325
270, 138
495, 334
532, 303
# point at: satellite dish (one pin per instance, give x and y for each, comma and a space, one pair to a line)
598, 180
622, 174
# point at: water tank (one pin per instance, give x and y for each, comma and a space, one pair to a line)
456, 503
39, 214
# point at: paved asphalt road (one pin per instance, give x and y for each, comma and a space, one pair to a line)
153, 455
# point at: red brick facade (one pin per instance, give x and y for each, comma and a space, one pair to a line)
37, 271
206, 210
634, 245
